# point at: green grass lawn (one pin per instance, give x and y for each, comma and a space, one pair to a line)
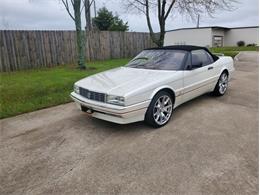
232, 51
26, 91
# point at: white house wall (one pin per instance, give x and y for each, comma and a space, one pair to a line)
248, 35
200, 37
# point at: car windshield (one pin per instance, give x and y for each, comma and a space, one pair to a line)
158, 60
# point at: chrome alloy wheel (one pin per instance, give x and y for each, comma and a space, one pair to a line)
162, 110
223, 83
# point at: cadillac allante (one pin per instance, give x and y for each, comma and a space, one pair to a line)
152, 84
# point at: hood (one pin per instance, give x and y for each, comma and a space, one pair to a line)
124, 80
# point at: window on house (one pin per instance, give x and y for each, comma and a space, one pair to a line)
217, 41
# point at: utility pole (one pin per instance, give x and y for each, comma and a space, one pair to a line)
198, 21
95, 9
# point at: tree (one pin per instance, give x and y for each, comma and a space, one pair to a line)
163, 8
76, 17
87, 5
118, 25
105, 20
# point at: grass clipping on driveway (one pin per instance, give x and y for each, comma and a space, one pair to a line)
26, 91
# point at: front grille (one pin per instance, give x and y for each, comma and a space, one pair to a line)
100, 97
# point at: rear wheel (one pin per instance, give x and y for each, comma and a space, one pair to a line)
160, 110
222, 84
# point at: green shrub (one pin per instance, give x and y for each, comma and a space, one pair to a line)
251, 45
241, 43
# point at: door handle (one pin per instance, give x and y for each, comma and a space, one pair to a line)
209, 68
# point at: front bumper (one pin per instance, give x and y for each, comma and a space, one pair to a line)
112, 113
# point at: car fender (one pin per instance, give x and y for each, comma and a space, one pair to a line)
156, 90
228, 65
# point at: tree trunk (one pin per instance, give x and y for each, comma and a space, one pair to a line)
80, 35
162, 17
152, 35
88, 16
158, 40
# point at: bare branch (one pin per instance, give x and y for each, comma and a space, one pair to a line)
83, 5
89, 5
169, 9
65, 3
72, 2
163, 8
148, 16
195, 7
133, 5
159, 9
140, 2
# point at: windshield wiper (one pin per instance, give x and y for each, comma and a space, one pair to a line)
135, 64
141, 58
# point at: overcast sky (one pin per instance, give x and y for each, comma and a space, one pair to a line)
51, 15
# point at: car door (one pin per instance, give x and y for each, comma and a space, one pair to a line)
198, 74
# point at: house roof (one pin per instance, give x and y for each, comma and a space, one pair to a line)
213, 27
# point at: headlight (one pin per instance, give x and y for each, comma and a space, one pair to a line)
76, 89
117, 100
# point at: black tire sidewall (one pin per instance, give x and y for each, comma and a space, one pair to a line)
216, 90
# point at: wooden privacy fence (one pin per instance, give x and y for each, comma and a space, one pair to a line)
33, 49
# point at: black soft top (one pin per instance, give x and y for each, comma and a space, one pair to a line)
188, 48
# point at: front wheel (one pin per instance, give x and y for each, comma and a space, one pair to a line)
222, 85
160, 110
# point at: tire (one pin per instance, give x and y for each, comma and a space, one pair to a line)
222, 85
160, 110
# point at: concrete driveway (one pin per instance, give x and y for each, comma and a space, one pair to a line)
210, 146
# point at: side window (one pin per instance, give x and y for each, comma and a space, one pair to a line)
200, 58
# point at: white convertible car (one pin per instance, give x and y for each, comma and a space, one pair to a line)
151, 85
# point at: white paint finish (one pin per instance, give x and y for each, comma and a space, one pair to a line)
249, 35
128, 82
197, 82
138, 86
113, 113
199, 37
109, 108
135, 116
